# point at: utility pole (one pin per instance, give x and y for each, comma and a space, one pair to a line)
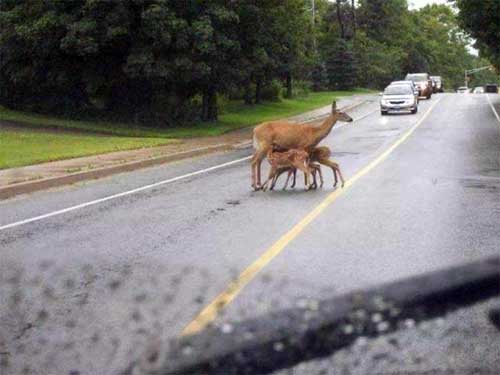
313, 22
313, 13
470, 71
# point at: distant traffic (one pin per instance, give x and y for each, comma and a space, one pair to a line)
403, 96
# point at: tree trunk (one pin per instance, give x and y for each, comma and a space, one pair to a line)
209, 105
204, 107
339, 17
248, 94
258, 85
353, 10
289, 87
212, 105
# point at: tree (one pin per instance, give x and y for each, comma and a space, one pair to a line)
482, 20
340, 66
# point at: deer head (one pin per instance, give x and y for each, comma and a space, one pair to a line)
341, 116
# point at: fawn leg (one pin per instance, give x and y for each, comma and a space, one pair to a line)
272, 174
294, 178
335, 168
290, 172
278, 174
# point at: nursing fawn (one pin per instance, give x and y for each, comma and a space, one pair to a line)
286, 160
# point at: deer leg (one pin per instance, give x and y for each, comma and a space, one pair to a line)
294, 178
320, 176
316, 168
314, 183
255, 164
340, 175
306, 170
272, 174
256, 167
252, 165
275, 178
335, 168
290, 173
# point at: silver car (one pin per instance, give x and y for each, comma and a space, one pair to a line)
411, 83
398, 98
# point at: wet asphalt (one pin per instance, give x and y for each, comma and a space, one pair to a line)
86, 290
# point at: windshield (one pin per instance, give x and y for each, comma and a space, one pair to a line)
398, 90
416, 77
231, 172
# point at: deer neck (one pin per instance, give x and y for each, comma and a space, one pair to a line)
325, 128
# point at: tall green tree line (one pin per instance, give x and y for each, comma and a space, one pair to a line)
169, 61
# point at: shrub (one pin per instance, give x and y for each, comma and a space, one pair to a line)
301, 88
272, 91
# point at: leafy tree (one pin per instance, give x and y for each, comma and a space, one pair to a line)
482, 20
340, 66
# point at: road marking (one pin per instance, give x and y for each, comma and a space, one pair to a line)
493, 107
119, 195
210, 312
125, 193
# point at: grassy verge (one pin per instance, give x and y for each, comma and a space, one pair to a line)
27, 146
36, 140
236, 116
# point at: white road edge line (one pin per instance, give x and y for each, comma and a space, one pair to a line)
129, 192
119, 195
493, 107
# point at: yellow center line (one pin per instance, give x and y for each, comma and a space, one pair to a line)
210, 312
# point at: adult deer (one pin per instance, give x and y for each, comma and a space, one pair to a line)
285, 135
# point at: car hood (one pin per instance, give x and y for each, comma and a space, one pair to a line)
397, 97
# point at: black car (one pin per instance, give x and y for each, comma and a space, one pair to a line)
438, 84
491, 88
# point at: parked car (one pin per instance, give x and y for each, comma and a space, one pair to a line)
438, 87
491, 88
478, 90
398, 98
463, 90
410, 83
423, 82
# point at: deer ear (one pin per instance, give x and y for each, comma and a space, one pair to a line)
334, 106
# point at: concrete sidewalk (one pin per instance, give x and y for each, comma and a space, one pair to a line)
31, 178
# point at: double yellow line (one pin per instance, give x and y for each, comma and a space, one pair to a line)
210, 312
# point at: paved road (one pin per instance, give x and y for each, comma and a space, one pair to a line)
86, 289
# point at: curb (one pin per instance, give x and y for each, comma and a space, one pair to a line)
27, 187
283, 339
10, 191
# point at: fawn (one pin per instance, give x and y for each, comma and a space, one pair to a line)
281, 161
319, 155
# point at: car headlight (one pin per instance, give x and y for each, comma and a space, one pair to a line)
383, 102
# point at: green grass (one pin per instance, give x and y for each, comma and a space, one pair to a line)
236, 116
36, 140
27, 146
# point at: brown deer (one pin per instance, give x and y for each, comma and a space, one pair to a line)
291, 159
319, 155
322, 155
287, 136
292, 171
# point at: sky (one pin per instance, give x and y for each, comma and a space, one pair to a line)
420, 3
